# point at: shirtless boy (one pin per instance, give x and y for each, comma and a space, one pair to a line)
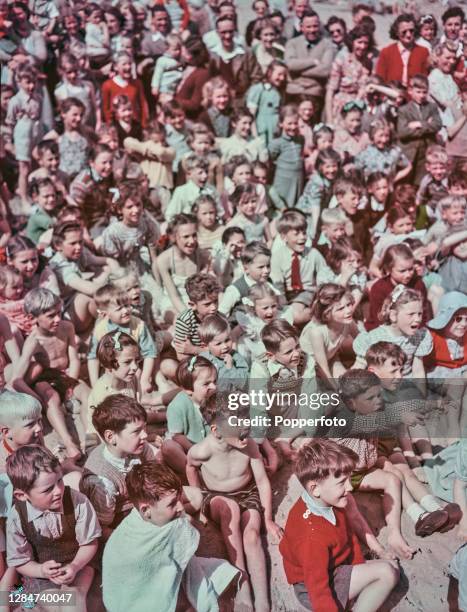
237, 491
49, 362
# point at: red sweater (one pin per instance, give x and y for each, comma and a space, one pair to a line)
440, 355
312, 548
382, 289
390, 68
134, 90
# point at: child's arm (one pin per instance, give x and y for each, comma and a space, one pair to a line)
264, 488
146, 375
164, 268
453, 240
419, 375
30, 348
74, 364
197, 454
89, 288
403, 173
93, 371
319, 351
271, 458
82, 558
157, 76
267, 234
11, 345
375, 267
154, 267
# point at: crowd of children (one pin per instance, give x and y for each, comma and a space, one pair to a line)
192, 214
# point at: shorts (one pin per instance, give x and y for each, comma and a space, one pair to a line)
59, 381
387, 447
248, 499
340, 587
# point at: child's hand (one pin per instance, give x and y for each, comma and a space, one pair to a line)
412, 418
185, 347
146, 386
67, 574
51, 569
414, 125
228, 360
274, 529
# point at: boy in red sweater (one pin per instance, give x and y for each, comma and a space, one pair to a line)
321, 554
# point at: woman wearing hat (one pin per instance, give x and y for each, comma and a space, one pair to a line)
448, 360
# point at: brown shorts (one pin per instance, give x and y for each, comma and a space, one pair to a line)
59, 381
248, 499
340, 587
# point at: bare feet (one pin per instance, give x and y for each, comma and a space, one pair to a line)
382, 553
400, 547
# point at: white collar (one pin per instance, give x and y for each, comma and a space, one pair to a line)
121, 463
119, 81
34, 513
327, 512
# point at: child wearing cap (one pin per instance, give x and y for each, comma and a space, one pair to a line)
447, 361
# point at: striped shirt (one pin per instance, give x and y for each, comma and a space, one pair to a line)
187, 326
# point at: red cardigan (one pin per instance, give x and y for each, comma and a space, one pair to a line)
390, 68
312, 548
134, 90
383, 288
190, 94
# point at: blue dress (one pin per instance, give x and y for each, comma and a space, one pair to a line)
264, 101
287, 154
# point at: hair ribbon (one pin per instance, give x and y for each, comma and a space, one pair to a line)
191, 365
397, 292
116, 341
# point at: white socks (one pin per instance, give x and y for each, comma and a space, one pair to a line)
415, 511
429, 503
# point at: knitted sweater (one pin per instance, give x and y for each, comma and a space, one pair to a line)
312, 548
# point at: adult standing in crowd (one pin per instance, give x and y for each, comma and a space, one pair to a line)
309, 58
404, 58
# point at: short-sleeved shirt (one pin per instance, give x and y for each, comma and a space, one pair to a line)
184, 417
67, 270
187, 327
38, 223
49, 524
418, 345
125, 243
388, 161
137, 329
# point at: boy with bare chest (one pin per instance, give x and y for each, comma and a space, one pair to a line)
237, 492
49, 362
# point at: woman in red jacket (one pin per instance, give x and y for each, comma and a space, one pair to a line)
195, 75
403, 59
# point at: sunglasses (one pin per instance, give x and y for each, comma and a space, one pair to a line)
354, 104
